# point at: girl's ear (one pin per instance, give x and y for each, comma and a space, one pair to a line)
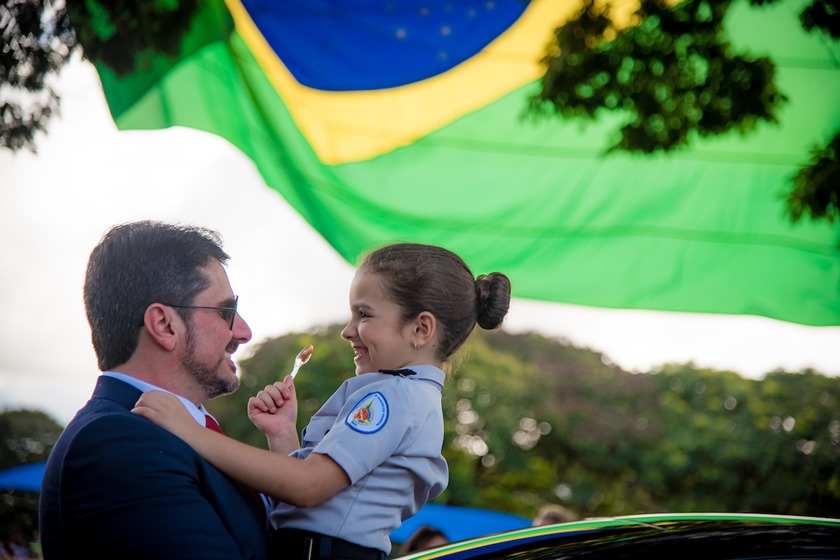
425, 328
158, 320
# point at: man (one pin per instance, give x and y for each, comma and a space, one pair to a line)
163, 316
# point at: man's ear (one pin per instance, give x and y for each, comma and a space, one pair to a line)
158, 320
425, 328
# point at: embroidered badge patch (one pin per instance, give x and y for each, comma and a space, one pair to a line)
369, 415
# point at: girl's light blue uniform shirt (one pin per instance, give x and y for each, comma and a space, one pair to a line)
386, 432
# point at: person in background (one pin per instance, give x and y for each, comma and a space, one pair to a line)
163, 317
371, 456
424, 537
550, 514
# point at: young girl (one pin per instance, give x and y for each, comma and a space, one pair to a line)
371, 457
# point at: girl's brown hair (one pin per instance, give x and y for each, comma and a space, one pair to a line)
428, 278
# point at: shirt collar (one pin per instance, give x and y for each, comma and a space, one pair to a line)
197, 412
429, 373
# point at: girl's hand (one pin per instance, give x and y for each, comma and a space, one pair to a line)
274, 409
165, 410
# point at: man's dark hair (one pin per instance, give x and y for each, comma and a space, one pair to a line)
138, 264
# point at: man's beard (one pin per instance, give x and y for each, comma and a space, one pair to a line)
207, 376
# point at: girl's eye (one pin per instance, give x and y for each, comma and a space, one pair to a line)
363, 314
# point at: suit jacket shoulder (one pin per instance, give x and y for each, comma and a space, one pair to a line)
117, 486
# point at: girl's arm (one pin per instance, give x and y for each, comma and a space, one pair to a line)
284, 478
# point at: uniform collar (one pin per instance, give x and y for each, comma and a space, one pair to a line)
428, 373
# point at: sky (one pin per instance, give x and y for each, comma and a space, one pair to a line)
87, 176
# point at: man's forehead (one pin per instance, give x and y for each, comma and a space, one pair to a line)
218, 278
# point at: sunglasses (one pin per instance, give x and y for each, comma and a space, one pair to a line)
227, 313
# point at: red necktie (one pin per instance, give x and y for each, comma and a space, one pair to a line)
210, 422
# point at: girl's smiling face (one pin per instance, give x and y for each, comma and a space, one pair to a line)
380, 337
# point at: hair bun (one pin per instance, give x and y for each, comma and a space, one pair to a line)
493, 292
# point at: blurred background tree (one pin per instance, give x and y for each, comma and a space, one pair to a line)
672, 73
26, 436
530, 420
38, 40
37, 43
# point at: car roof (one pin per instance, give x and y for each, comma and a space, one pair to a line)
721, 535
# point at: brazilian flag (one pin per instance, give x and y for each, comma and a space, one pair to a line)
401, 120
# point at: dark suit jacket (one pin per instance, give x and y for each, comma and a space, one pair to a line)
117, 486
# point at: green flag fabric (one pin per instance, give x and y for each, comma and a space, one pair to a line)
404, 122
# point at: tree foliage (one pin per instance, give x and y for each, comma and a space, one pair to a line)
673, 75
816, 191
820, 15
117, 34
26, 436
531, 420
37, 42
